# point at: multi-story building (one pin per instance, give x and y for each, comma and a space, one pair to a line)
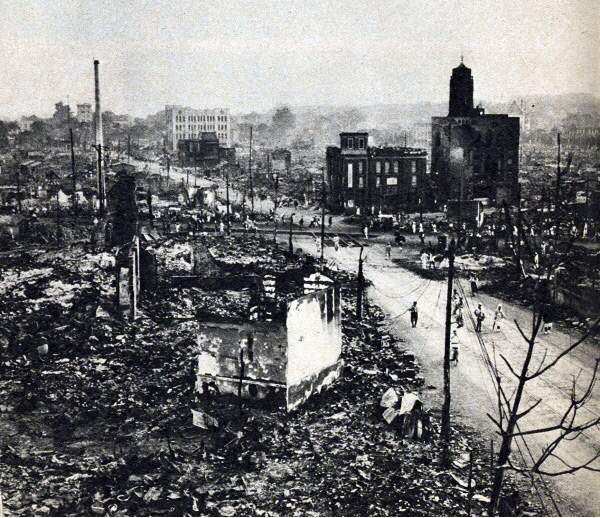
371, 180
61, 113
473, 154
202, 151
189, 124
85, 113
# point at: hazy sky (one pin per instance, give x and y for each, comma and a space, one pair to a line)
256, 54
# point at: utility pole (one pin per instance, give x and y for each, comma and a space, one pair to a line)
19, 188
74, 178
128, 147
168, 170
322, 218
149, 198
251, 179
100, 181
275, 206
227, 200
57, 214
557, 201
291, 244
519, 225
359, 294
99, 137
445, 460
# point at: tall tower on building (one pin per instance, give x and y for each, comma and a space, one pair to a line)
461, 92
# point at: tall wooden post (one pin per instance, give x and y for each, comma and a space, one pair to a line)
445, 461
322, 218
227, 201
359, 294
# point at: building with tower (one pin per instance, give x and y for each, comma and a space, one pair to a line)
474, 155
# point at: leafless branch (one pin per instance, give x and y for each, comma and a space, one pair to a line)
592, 330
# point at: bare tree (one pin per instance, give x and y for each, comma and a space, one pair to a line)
566, 427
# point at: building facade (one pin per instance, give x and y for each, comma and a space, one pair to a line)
189, 124
281, 161
370, 181
85, 113
473, 154
202, 151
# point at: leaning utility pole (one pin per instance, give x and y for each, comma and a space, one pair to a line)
445, 460
251, 179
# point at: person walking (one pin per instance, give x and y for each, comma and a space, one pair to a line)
480, 316
498, 316
459, 316
366, 231
474, 288
455, 344
388, 250
414, 314
336, 242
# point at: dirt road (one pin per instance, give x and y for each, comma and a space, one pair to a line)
473, 395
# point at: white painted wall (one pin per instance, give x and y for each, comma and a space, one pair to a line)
313, 343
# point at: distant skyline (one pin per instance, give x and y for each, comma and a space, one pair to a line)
250, 55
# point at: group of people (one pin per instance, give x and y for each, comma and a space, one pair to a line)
458, 320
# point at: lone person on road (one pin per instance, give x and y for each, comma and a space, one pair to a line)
480, 315
473, 280
414, 314
498, 316
336, 242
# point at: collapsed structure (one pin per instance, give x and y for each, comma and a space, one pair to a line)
280, 352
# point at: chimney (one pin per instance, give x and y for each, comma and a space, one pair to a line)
99, 136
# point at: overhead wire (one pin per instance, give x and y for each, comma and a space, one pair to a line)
500, 393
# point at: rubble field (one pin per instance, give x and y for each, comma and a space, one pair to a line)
95, 411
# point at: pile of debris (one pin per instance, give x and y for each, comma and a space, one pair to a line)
103, 424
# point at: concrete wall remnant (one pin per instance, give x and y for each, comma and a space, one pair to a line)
285, 362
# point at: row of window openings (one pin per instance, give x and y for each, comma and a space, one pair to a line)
180, 136
181, 127
389, 181
200, 118
360, 143
387, 167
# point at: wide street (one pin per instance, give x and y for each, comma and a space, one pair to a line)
473, 392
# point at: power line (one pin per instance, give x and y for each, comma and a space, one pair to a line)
500, 392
